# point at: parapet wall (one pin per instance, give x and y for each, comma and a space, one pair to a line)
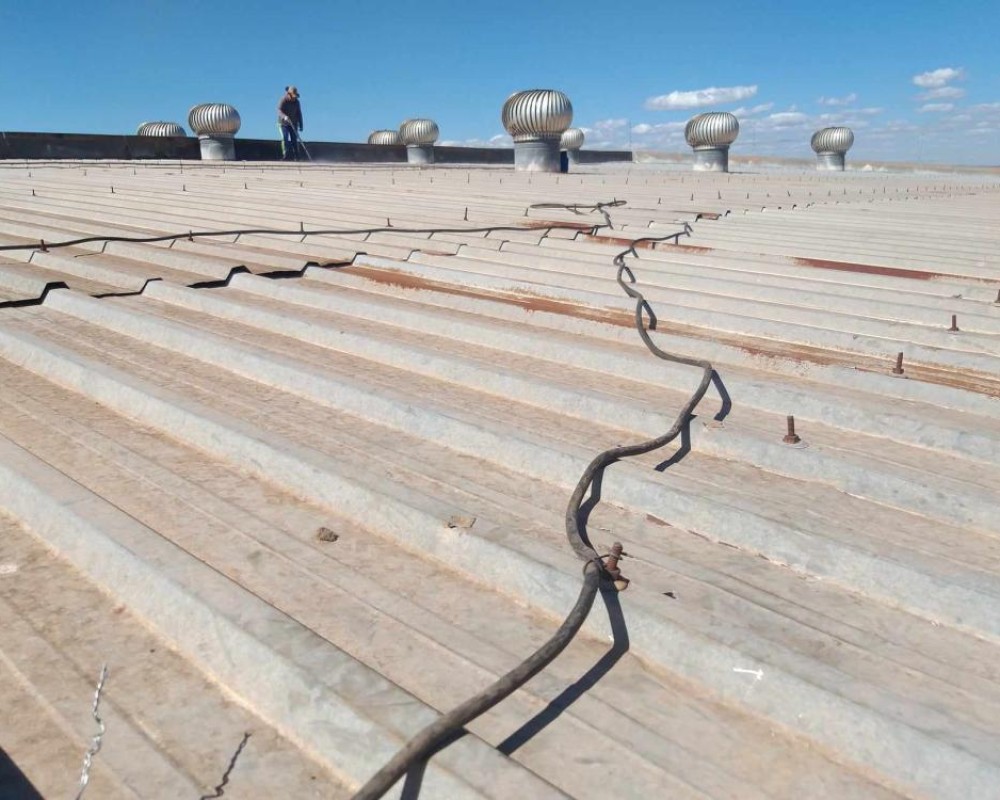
602, 156
96, 146
85, 145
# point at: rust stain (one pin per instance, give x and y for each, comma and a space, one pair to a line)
802, 261
980, 383
866, 269
406, 280
638, 244
547, 223
686, 248
877, 269
621, 241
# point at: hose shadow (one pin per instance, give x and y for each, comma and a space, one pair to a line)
14, 784
727, 401
683, 450
414, 780
685, 432
592, 501
582, 685
588, 680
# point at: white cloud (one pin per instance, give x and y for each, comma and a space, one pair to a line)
644, 128
846, 100
610, 125
944, 131
664, 135
697, 98
847, 116
938, 77
788, 117
893, 129
612, 132
743, 111
944, 93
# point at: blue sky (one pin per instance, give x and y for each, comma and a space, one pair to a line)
915, 80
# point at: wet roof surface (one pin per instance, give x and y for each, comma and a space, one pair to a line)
311, 487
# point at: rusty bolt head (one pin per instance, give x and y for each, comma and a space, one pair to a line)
791, 437
611, 560
610, 567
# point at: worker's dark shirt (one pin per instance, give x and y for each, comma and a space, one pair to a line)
290, 107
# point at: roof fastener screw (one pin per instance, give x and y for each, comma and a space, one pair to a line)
611, 567
43, 248
791, 437
898, 369
997, 301
954, 324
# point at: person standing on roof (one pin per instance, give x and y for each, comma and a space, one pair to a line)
290, 123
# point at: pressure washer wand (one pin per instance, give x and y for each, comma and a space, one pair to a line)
301, 143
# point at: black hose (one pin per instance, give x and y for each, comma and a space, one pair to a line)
441, 731
427, 742
191, 235
445, 728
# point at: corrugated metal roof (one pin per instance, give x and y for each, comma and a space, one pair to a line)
323, 505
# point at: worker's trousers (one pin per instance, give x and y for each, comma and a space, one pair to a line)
289, 143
